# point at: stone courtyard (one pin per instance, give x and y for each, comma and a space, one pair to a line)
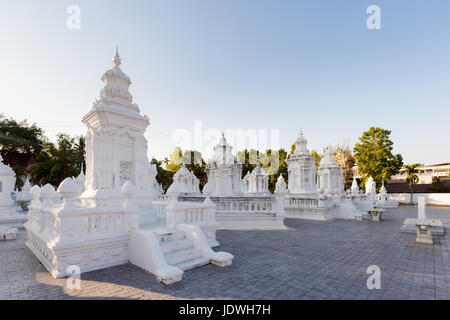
310, 260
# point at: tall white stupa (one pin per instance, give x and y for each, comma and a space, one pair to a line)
224, 171
116, 149
302, 169
329, 175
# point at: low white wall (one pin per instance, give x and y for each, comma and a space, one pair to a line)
430, 198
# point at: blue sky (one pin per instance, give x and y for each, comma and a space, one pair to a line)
238, 64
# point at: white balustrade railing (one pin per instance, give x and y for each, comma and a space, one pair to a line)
198, 213
160, 208
246, 205
306, 203
65, 220
103, 223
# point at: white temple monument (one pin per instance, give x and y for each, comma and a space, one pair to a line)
302, 169
240, 204
258, 182
10, 219
330, 178
383, 200
116, 149
224, 171
371, 190
325, 201
103, 226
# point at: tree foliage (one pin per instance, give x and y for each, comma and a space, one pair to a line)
373, 154
317, 156
344, 158
273, 162
193, 161
163, 176
19, 140
438, 186
411, 177
59, 161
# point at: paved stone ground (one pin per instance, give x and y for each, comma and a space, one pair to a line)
311, 260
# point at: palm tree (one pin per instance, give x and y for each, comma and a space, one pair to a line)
20, 172
59, 161
412, 178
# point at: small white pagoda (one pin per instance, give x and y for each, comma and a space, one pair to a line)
383, 200
224, 171
23, 198
330, 178
184, 183
371, 190
325, 201
302, 169
240, 204
257, 182
9, 217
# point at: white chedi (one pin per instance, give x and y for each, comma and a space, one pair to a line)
224, 171
302, 169
245, 182
258, 181
371, 189
116, 149
354, 190
24, 195
330, 177
383, 200
23, 198
7, 182
281, 187
184, 183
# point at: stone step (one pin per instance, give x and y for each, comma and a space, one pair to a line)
176, 245
191, 264
181, 256
171, 236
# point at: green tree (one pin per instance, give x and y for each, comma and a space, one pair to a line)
274, 163
175, 160
20, 173
20, 144
438, 186
19, 140
292, 149
344, 158
411, 177
249, 159
374, 156
195, 163
59, 161
316, 155
163, 176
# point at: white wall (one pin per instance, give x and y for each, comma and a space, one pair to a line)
430, 198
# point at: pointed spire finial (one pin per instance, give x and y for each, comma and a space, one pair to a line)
116, 61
